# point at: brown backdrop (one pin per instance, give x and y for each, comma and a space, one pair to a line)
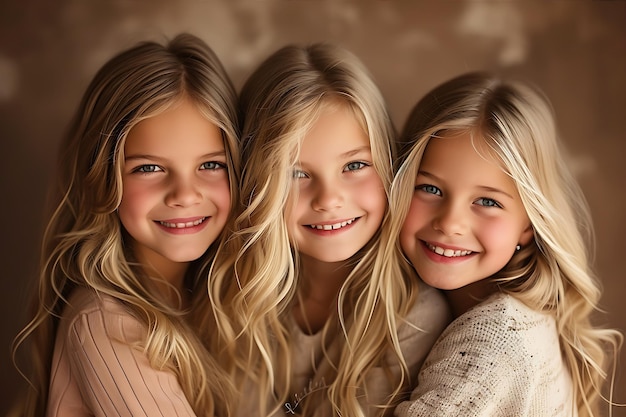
574, 50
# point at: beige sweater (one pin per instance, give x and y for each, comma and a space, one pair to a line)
500, 358
430, 313
98, 371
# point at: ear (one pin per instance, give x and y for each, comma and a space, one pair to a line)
527, 236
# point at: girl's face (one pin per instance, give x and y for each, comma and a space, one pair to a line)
176, 196
340, 199
466, 216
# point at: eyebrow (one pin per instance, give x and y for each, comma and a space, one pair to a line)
482, 187
153, 157
356, 151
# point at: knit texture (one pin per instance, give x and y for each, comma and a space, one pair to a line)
500, 358
99, 369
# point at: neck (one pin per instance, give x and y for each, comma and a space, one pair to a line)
169, 280
319, 286
464, 298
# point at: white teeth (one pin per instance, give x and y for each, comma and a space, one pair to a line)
448, 253
331, 226
183, 225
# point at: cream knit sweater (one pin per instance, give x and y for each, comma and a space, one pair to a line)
500, 358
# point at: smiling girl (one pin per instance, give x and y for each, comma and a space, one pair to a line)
309, 319
148, 172
494, 218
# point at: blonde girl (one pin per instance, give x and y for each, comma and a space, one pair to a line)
306, 313
147, 174
493, 217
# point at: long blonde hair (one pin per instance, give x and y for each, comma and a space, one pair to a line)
83, 244
552, 274
254, 290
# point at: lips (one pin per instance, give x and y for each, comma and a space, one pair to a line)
332, 226
448, 253
182, 225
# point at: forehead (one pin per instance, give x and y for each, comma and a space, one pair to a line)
335, 131
464, 156
182, 124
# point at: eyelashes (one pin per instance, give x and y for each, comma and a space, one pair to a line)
436, 191
153, 168
429, 189
213, 165
352, 166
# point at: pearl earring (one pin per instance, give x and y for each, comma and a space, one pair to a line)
518, 247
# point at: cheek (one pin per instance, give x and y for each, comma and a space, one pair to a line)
414, 217
372, 194
499, 233
134, 200
407, 241
130, 214
298, 203
292, 212
222, 197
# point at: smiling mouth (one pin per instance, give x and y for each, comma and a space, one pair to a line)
182, 225
448, 253
334, 226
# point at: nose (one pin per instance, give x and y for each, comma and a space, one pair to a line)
450, 219
184, 192
328, 196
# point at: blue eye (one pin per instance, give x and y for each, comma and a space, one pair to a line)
147, 168
429, 189
355, 166
488, 202
212, 165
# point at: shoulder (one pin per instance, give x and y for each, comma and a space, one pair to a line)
89, 313
501, 327
101, 364
504, 316
84, 300
498, 358
429, 313
421, 327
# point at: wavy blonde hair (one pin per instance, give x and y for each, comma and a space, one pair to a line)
553, 273
83, 244
254, 289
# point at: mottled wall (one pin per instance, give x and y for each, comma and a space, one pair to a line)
574, 50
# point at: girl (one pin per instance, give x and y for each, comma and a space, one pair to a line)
312, 323
494, 218
147, 175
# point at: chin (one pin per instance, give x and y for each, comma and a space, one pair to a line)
186, 257
331, 258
